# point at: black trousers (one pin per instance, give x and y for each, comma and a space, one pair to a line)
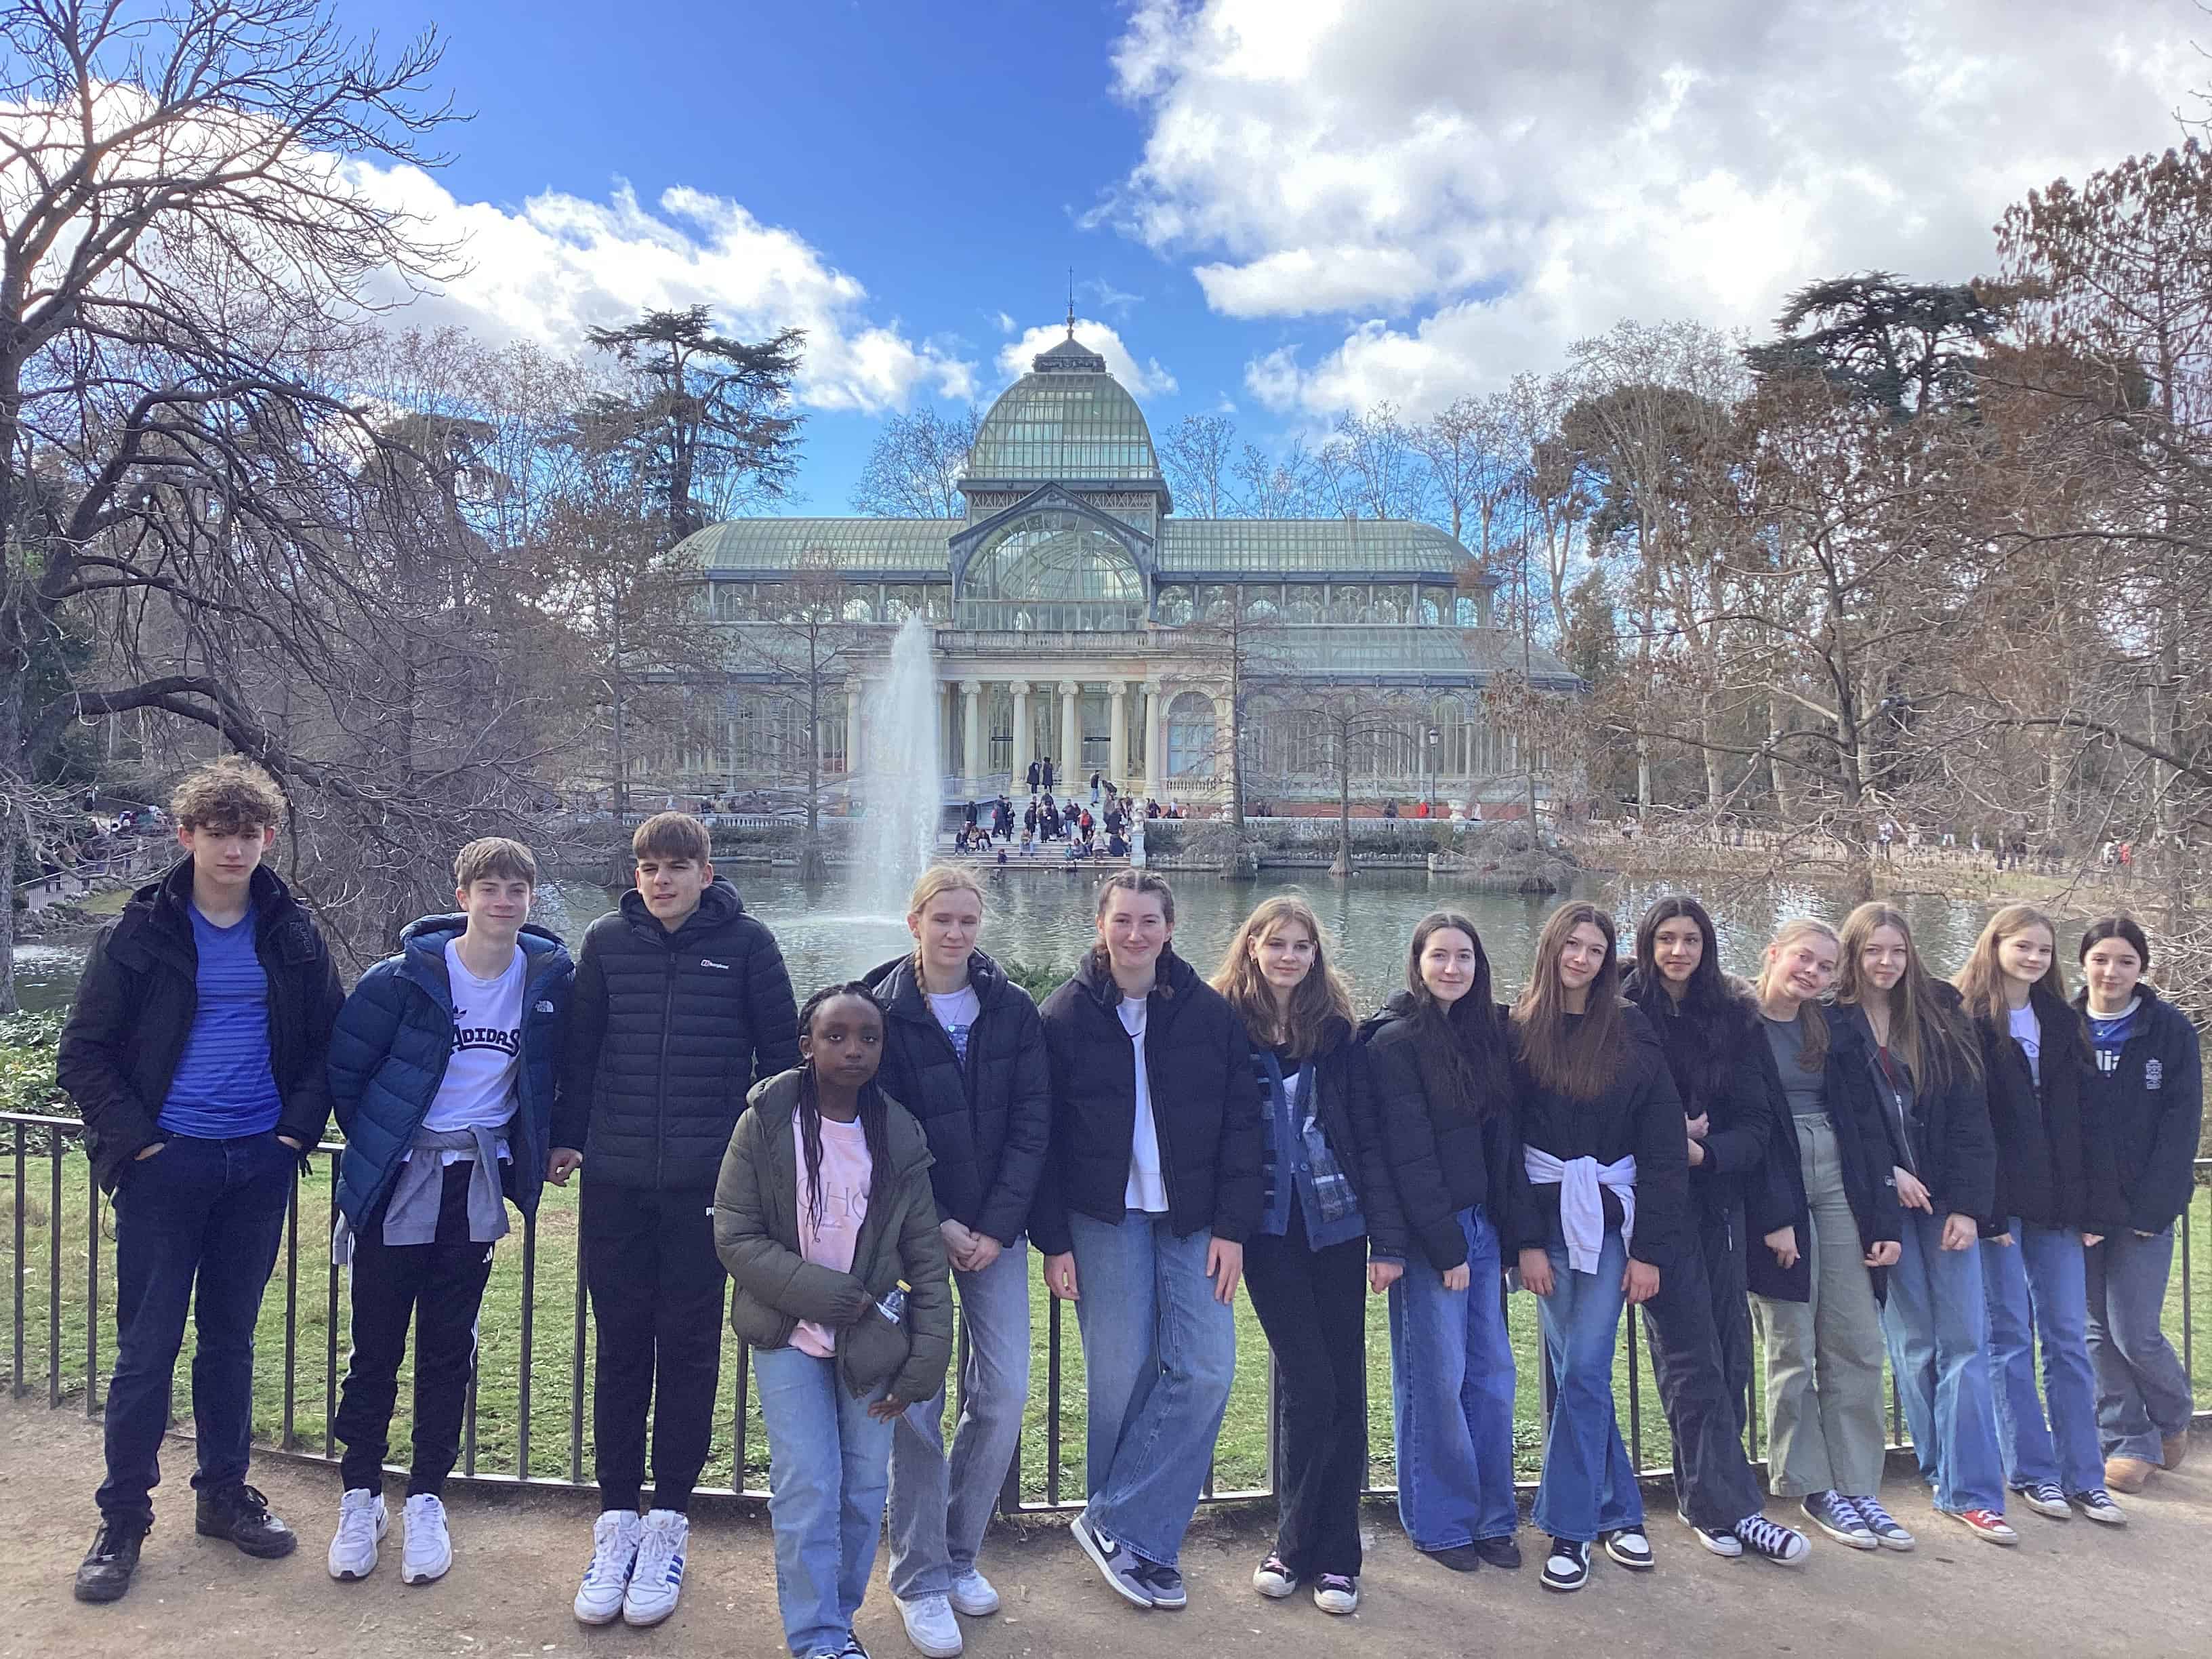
1313, 1306
438, 1288
657, 1295
1700, 1329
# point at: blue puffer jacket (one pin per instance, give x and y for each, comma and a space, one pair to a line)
394, 1039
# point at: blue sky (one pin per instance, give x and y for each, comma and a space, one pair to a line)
1290, 207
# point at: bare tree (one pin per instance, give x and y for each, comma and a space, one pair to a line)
916, 465
184, 260
801, 649
1199, 456
1277, 486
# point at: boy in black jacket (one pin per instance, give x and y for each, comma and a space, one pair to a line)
681, 1002
195, 1054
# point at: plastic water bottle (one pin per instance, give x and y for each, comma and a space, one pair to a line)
893, 1306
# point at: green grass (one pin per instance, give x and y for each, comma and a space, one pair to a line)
54, 1349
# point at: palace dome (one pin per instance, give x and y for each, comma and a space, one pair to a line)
1066, 420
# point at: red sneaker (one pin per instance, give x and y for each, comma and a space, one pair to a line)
1984, 1523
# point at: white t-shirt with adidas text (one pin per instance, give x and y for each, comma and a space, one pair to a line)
478, 1090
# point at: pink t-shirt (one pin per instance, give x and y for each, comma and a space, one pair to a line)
845, 1170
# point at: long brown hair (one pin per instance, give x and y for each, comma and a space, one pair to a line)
1321, 995
1468, 1033
1811, 1021
1923, 1031
1578, 1061
1981, 982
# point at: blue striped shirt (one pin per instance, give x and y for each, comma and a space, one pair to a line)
223, 1086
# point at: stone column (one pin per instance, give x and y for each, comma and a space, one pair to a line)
1019, 784
951, 727
1071, 737
855, 728
1156, 741
1117, 765
972, 756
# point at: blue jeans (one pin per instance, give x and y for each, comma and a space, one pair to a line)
939, 1508
197, 1228
2036, 1288
1452, 1390
1158, 1355
2142, 1391
1588, 1483
828, 1465
1936, 1320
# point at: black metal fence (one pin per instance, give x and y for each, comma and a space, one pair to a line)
528, 1403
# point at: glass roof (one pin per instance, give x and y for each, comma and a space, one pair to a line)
1053, 555
1318, 547
854, 544
1359, 651
1066, 420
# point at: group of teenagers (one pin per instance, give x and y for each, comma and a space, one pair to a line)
1876, 1161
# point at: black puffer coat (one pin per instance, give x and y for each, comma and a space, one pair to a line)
988, 1120
136, 1001
1440, 1156
666, 1034
1205, 1105
2055, 1164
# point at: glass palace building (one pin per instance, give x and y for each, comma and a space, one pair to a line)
1075, 615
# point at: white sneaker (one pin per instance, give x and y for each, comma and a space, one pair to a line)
429, 1548
971, 1594
657, 1579
362, 1524
615, 1537
931, 1626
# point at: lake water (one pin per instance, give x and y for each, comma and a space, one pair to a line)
1044, 918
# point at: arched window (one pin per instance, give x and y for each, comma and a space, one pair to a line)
1213, 604
1190, 735
858, 608
1052, 568
1175, 608
1305, 604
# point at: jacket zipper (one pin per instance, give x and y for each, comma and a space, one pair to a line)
660, 1103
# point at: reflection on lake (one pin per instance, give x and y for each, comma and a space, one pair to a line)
1045, 919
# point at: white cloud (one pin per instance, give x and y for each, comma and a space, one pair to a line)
1143, 380
1007, 325
1472, 187
563, 264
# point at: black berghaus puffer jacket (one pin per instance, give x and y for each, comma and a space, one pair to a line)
989, 1120
667, 1031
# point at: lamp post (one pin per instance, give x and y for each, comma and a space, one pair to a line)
1436, 735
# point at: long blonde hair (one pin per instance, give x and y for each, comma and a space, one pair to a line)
1811, 1020
1981, 982
1923, 1029
1321, 995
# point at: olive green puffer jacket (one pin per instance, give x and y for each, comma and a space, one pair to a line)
756, 1235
